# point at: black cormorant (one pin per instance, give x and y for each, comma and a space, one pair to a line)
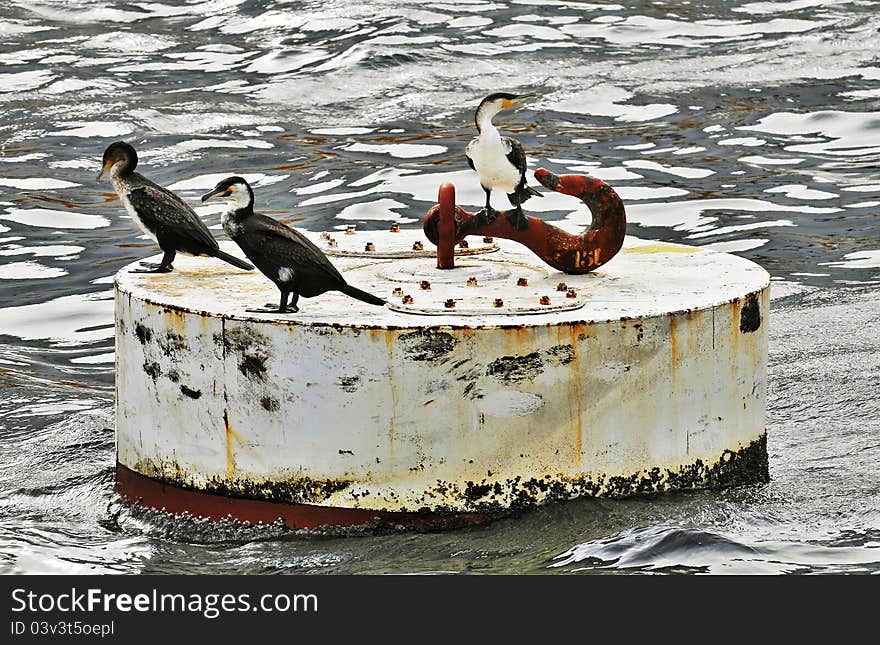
500, 161
284, 255
159, 213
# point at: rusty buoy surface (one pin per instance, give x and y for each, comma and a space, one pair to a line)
649, 375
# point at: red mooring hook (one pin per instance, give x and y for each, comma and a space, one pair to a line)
446, 224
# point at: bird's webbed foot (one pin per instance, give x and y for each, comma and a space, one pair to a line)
518, 219
487, 216
152, 267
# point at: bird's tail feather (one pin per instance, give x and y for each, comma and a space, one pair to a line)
363, 296
524, 192
241, 264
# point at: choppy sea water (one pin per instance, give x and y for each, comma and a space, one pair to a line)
750, 127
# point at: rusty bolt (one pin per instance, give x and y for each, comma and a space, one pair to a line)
407, 300
571, 294
349, 230
369, 247
463, 244
522, 282
498, 302
561, 286
488, 239
395, 228
472, 282
417, 245
397, 291
449, 304
545, 300
425, 285
331, 241
325, 235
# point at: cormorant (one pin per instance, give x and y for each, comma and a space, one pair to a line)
284, 255
159, 213
500, 161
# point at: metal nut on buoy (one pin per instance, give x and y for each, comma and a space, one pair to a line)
561, 287
349, 230
488, 239
397, 291
545, 300
331, 241
395, 228
425, 285
417, 246
449, 304
463, 244
407, 300
522, 282
498, 302
369, 247
472, 282
571, 294
325, 235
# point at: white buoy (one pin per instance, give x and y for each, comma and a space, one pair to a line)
475, 396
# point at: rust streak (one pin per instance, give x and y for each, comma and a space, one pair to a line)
230, 455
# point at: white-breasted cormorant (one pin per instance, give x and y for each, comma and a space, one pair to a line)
500, 161
159, 213
284, 255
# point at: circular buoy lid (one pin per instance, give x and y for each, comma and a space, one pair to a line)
645, 279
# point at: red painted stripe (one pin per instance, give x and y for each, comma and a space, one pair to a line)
172, 499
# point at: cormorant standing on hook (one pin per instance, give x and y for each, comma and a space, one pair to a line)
159, 213
282, 254
500, 161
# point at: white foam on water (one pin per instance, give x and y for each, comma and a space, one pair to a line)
381, 210
850, 134
469, 21
67, 321
770, 161
399, 150
36, 183
608, 100
796, 191
741, 141
688, 215
22, 158
185, 149
129, 42
204, 182
866, 188
741, 227
678, 171
341, 132
24, 81
92, 129
532, 31
49, 250
28, 270
858, 260
98, 359
48, 218
736, 246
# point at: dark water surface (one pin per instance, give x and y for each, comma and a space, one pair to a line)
747, 127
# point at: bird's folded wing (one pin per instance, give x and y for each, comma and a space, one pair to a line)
159, 208
287, 246
515, 153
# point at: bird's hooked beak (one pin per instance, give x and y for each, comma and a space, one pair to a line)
107, 166
509, 103
221, 192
